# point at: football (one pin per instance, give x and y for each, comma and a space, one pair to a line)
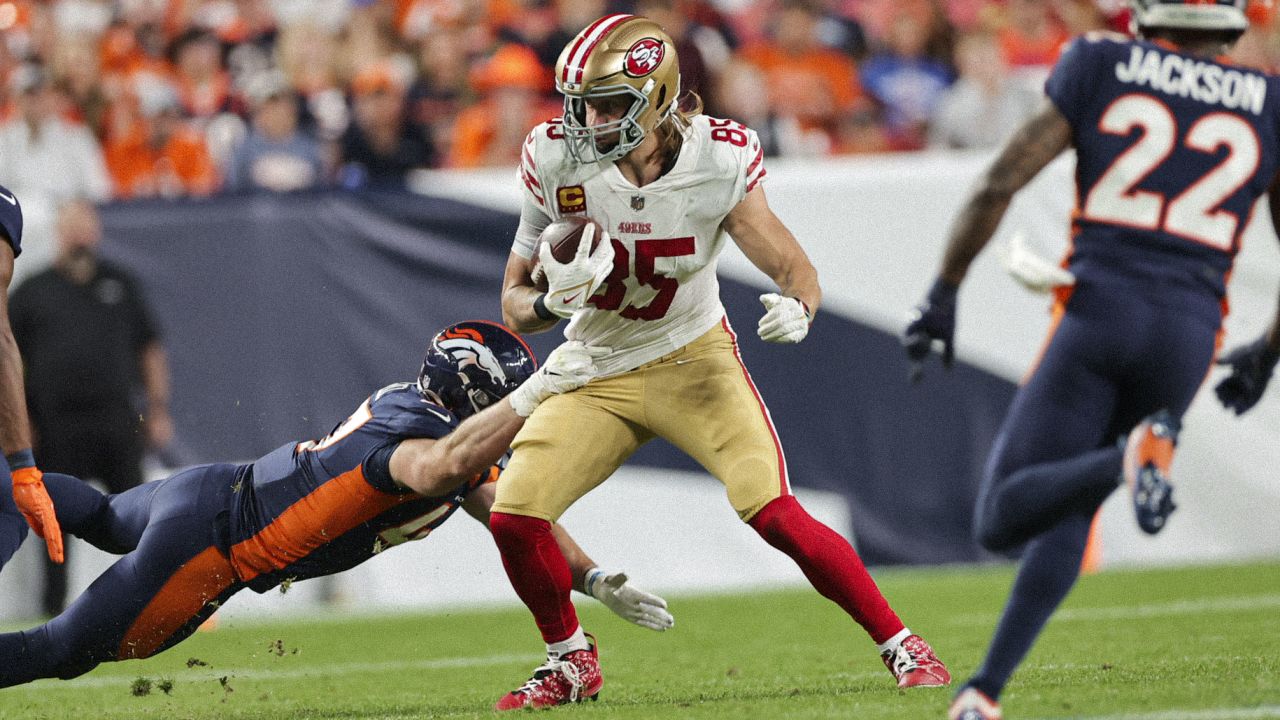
563, 236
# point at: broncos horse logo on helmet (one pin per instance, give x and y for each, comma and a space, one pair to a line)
472, 365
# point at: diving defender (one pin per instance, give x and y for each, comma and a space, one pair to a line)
393, 471
1173, 147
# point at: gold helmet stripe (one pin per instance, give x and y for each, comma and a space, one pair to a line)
587, 42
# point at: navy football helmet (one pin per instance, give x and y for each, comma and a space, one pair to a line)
472, 365
1208, 15
10, 219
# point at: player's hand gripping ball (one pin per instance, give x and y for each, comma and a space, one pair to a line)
574, 256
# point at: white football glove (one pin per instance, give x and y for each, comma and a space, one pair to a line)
568, 367
784, 321
1032, 271
570, 284
629, 602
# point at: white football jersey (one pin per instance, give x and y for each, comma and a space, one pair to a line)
663, 293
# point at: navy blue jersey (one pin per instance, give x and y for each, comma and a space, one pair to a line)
1172, 150
318, 507
11, 220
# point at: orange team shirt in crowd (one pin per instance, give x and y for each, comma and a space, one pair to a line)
181, 167
475, 130
1023, 51
816, 86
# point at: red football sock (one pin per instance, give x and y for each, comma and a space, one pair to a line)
830, 563
538, 572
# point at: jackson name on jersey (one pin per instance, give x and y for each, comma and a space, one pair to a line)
663, 292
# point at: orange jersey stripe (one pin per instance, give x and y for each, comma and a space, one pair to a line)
183, 596
323, 515
1063, 294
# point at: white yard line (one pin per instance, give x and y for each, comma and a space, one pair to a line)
326, 669
1130, 612
1265, 711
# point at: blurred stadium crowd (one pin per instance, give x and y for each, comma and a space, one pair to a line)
103, 99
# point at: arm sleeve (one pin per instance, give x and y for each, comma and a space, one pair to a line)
532, 222
377, 469
750, 162
533, 212
1068, 86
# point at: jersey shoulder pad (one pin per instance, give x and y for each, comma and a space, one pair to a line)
544, 150
1079, 53
408, 414
543, 161
729, 149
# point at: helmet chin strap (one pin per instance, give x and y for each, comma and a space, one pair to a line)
430, 395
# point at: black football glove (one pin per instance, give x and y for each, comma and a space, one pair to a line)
1251, 367
934, 321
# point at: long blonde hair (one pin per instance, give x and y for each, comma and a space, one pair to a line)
670, 131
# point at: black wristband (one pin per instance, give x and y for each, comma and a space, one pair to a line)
540, 308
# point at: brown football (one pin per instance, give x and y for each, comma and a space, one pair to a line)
563, 236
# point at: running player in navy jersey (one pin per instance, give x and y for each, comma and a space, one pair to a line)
1174, 145
392, 472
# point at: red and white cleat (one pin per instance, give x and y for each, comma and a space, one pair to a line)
915, 665
573, 678
972, 704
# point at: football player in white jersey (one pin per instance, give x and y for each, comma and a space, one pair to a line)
669, 187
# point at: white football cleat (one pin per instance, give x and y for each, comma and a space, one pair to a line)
973, 704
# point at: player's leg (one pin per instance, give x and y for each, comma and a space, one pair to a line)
148, 600
703, 401
113, 523
567, 447
1054, 455
1055, 440
1158, 393
1158, 369
67, 449
1050, 565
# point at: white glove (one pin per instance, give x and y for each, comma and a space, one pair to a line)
629, 602
570, 284
1032, 271
568, 367
784, 321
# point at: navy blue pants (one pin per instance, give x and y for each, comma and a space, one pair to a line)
1115, 358
173, 576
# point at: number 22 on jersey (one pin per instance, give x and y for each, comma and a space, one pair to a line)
1194, 213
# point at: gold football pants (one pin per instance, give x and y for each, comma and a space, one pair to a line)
699, 398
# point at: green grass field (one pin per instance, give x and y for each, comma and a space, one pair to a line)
1187, 644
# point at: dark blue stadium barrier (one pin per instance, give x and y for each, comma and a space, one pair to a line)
281, 313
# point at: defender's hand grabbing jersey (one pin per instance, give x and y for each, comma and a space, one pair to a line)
663, 292
1172, 152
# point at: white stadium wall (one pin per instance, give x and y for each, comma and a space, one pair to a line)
875, 229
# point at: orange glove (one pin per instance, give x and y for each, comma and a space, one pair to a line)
36, 506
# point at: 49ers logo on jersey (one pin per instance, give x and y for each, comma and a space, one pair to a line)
644, 57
